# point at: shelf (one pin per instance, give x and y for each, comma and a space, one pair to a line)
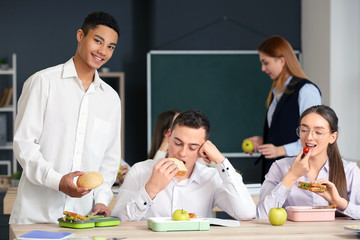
10, 71
7, 109
242, 155
10, 111
8, 146
112, 74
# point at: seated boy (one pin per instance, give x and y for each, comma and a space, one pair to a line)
152, 188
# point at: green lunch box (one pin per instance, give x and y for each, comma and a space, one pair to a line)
95, 221
165, 224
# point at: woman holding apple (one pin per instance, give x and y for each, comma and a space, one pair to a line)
290, 95
318, 130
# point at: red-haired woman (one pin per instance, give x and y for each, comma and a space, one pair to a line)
290, 95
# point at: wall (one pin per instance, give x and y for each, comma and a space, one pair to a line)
345, 73
222, 25
331, 55
315, 39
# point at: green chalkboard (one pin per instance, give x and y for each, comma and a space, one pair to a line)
229, 87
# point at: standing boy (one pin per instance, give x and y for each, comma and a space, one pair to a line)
68, 123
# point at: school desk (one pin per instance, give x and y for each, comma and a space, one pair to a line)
253, 229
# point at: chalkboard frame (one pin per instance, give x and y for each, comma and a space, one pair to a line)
253, 53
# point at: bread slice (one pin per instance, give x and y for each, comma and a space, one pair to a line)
90, 180
181, 166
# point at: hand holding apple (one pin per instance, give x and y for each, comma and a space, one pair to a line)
119, 171
248, 146
277, 216
180, 215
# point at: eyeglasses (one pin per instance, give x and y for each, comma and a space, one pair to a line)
316, 134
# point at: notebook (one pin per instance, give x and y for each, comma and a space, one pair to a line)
45, 235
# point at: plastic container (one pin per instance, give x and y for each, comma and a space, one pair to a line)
95, 221
310, 214
165, 224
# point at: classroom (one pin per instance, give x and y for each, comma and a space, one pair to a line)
208, 39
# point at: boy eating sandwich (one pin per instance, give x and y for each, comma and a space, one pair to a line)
153, 188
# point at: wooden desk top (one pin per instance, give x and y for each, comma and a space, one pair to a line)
254, 229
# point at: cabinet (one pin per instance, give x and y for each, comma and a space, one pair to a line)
117, 81
8, 113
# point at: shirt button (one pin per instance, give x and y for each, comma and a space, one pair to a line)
227, 168
223, 170
145, 203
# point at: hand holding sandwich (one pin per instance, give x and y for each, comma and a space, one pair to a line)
331, 194
161, 176
68, 187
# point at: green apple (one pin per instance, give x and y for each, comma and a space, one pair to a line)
180, 215
119, 172
248, 146
277, 216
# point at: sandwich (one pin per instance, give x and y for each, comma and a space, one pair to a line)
313, 187
90, 180
181, 166
70, 216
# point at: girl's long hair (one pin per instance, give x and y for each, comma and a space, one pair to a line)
162, 124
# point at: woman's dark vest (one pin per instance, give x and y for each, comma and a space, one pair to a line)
285, 119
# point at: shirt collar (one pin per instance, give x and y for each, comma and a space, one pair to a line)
326, 166
288, 80
286, 83
98, 81
195, 175
69, 71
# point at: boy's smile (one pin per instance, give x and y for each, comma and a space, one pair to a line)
96, 47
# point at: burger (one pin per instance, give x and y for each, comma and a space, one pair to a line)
313, 187
90, 180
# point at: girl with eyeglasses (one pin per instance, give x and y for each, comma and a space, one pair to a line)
318, 130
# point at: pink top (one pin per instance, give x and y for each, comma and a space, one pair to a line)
274, 194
